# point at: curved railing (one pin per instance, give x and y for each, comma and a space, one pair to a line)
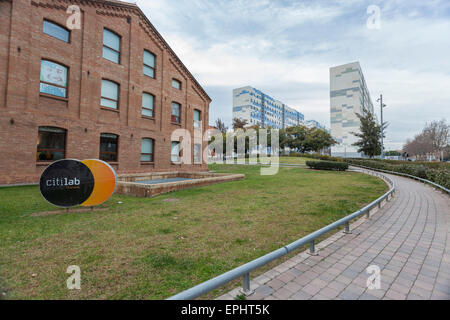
404, 175
244, 270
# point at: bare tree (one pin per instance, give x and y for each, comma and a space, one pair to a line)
221, 126
438, 133
239, 124
434, 139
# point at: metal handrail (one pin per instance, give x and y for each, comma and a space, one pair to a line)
405, 175
244, 270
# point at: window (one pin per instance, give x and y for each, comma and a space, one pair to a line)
51, 144
110, 94
109, 144
53, 79
197, 153
176, 112
111, 46
149, 64
147, 150
148, 101
175, 152
54, 30
197, 119
176, 84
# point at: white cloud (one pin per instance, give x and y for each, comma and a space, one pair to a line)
287, 49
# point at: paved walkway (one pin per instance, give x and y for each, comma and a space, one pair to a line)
408, 239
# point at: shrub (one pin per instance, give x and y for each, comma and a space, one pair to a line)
437, 173
327, 165
316, 156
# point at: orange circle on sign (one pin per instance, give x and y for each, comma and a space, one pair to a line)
105, 182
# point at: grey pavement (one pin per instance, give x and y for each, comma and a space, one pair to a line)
408, 239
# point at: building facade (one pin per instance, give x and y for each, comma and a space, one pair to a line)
315, 124
112, 89
348, 95
258, 108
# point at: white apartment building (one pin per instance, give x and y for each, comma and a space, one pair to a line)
348, 95
256, 107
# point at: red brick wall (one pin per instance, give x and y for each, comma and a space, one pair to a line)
23, 109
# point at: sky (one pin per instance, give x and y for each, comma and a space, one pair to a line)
285, 48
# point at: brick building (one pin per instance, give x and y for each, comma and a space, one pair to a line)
112, 89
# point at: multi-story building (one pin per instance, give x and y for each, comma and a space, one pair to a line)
111, 89
257, 107
348, 95
315, 124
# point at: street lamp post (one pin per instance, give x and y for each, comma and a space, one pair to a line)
382, 106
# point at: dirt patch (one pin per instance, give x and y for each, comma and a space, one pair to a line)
66, 211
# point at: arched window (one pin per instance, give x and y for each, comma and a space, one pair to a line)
147, 147
51, 145
111, 46
176, 113
109, 146
56, 31
175, 152
149, 64
110, 94
176, 84
148, 102
53, 79
197, 119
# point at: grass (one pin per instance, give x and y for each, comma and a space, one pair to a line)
152, 249
288, 160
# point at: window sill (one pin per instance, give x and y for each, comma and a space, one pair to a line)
148, 118
147, 163
53, 97
110, 109
176, 124
43, 163
113, 163
116, 63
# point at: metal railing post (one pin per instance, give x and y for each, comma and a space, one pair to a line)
312, 249
246, 284
347, 228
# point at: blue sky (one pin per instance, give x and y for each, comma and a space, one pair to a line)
285, 48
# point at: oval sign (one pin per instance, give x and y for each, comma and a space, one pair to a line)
105, 182
67, 183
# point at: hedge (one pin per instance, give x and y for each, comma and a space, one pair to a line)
428, 164
316, 156
439, 175
327, 165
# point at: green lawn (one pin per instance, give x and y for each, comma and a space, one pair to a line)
289, 160
294, 160
151, 248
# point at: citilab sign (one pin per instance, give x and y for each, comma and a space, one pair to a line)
69, 183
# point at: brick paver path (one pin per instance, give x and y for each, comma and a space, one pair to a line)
408, 239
